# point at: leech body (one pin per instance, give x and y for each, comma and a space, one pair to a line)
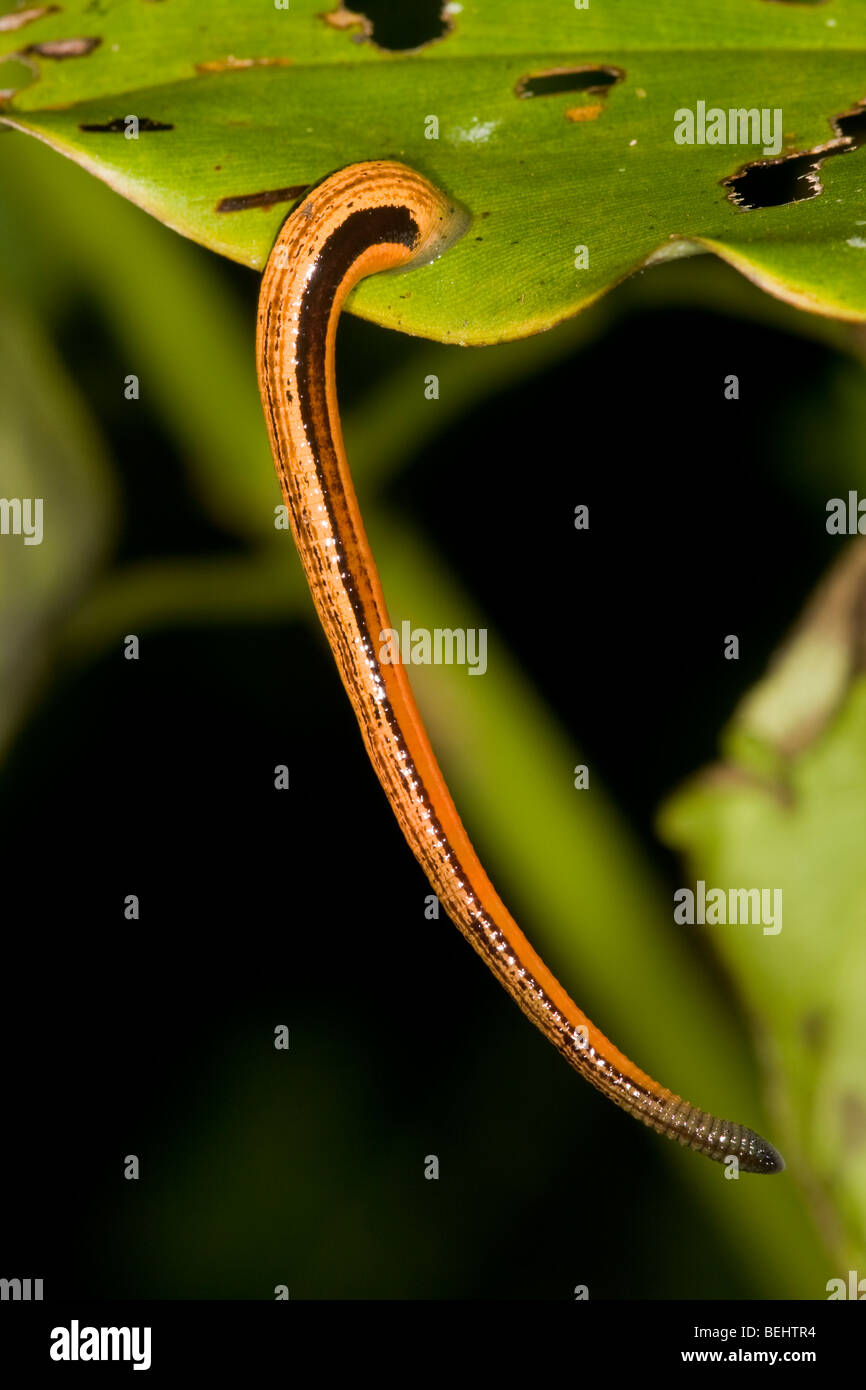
370, 217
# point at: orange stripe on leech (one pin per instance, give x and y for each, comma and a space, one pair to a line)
399, 694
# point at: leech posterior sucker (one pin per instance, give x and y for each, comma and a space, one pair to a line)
370, 217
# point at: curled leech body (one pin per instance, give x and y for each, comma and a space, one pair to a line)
369, 217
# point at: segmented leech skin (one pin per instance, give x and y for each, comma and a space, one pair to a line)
370, 217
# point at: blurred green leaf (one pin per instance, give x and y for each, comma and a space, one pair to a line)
52, 459
580, 881
256, 104
787, 810
173, 322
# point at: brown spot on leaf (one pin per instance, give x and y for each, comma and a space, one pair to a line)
343, 18
19, 18
232, 64
732, 777
63, 48
813, 1027
242, 202
853, 1116
583, 113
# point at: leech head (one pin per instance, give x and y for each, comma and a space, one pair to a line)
765, 1158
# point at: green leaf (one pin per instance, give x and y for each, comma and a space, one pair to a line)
787, 810
262, 102
54, 472
172, 322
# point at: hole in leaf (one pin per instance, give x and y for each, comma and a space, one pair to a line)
119, 125
853, 126
795, 178
596, 81
398, 29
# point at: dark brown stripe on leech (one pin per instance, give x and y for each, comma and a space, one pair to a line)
361, 230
